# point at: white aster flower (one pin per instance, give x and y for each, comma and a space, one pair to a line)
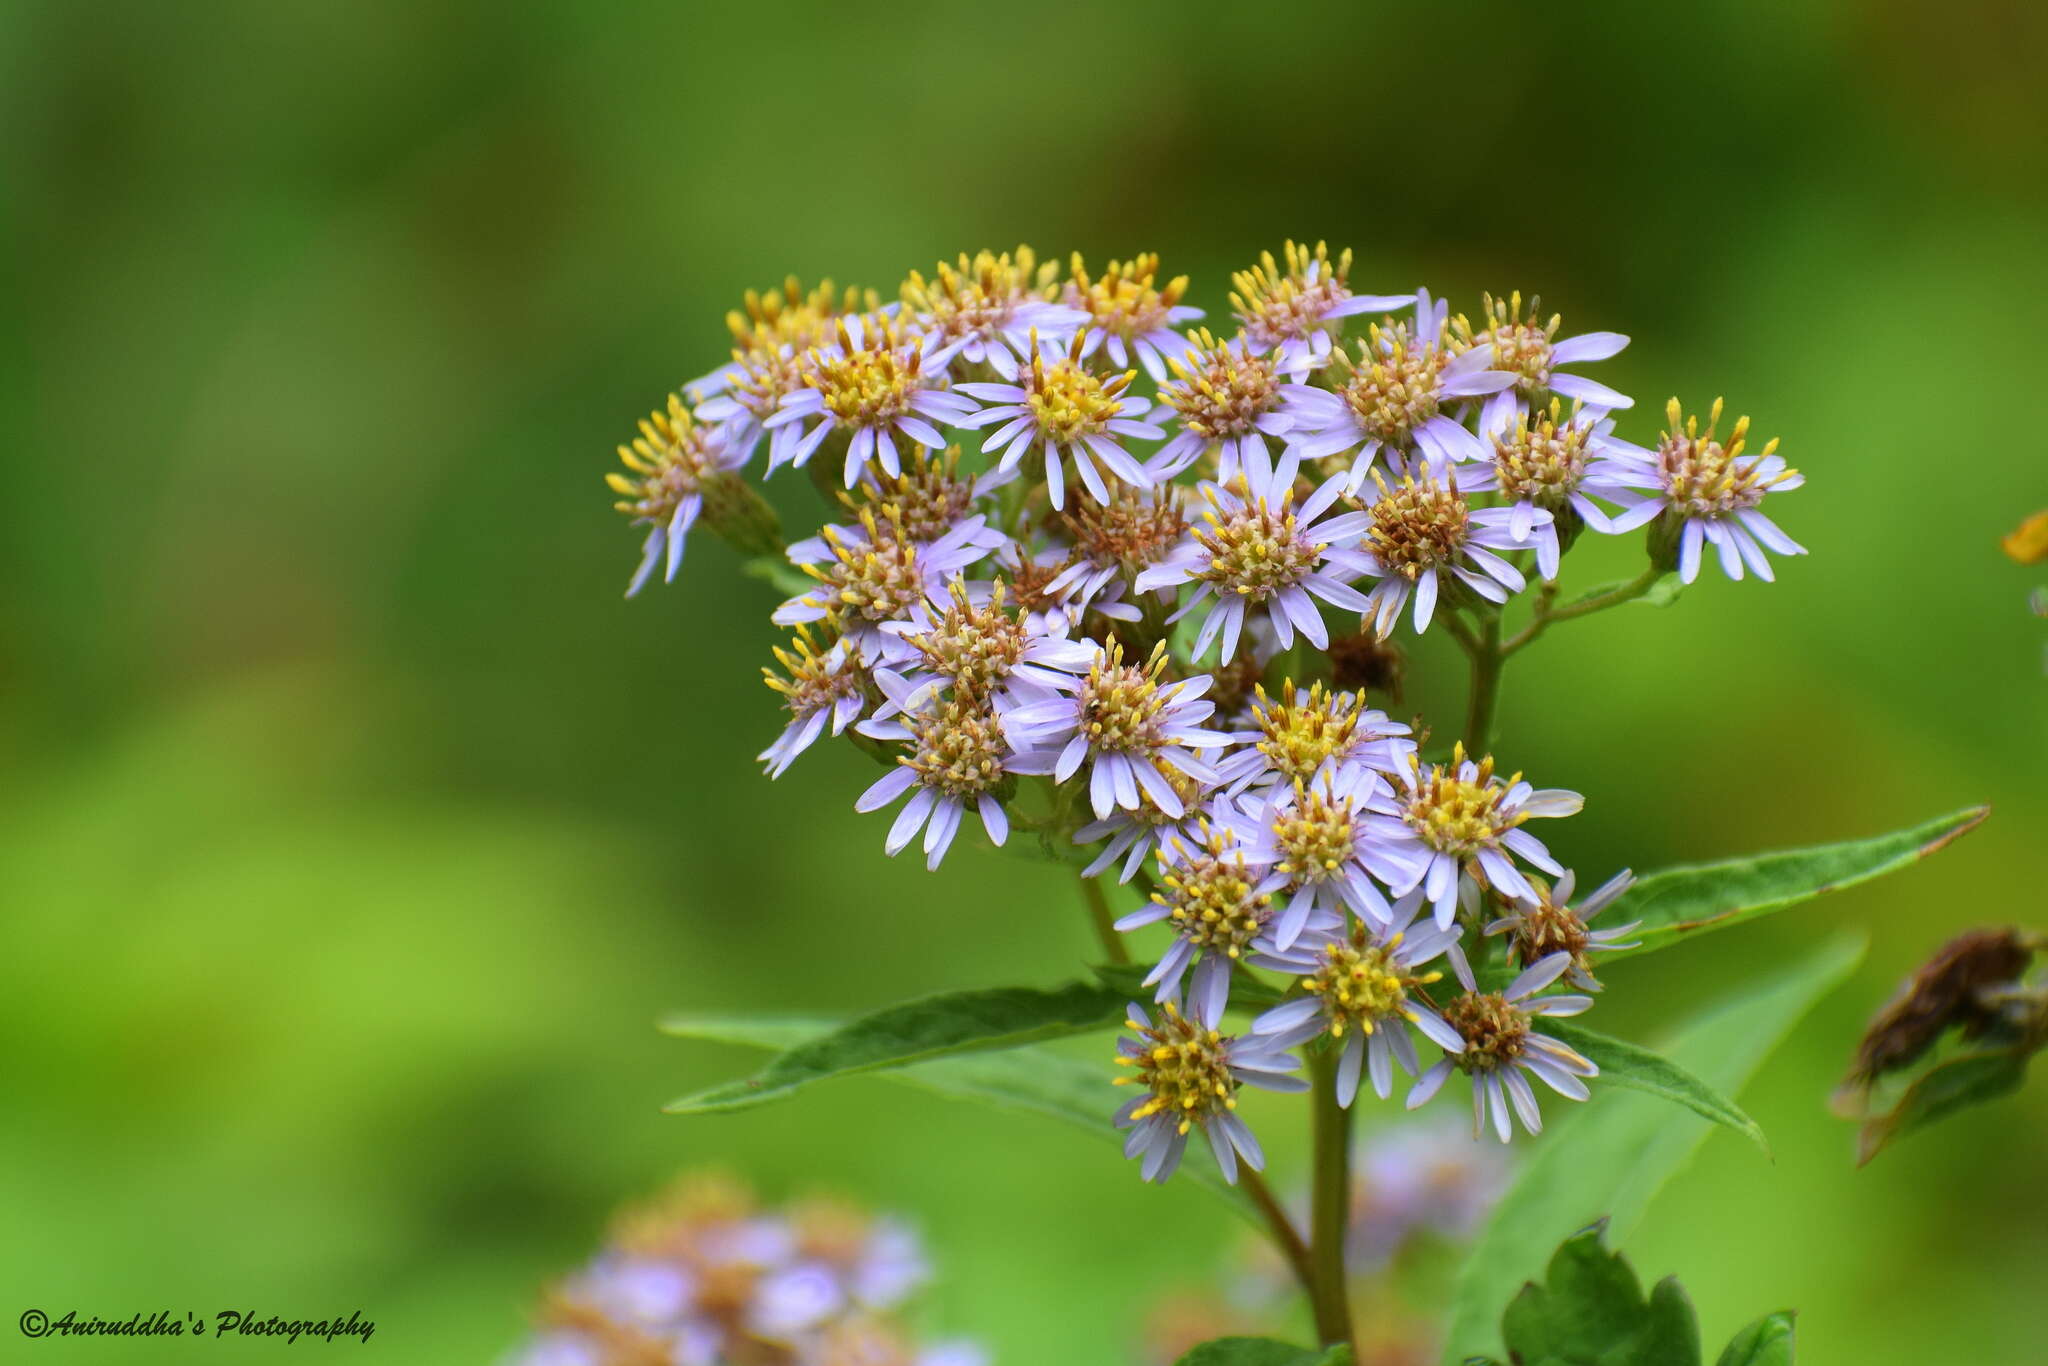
1708, 492
1294, 314
1502, 1050
1130, 314
957, 758
821, 688
1445, 820
1311, 732
1260, 552
672, 462
1546, 923
872, 386
985, 311
1191, 1075
1525, 345
1127, 724
1228, 396
1069, 412
875, 573
1421, 530
1321, 835
1217, 897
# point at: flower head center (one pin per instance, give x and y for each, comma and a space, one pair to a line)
979, 296
869, 384
928, 499
813, 678
1185, 1067
669, 461
1458, 815
1276, 305
1254, 549
1521, 340
1223, 389
1126, 300
1132, 530
1316, 836
879, 580
1548, 928
976, 647
1361, 983
1495, 1031
959, 747
1299, 737
1213, 898
1120, 703
1417, 524
1069, 402
1396, 383
1541, 461
1705, 478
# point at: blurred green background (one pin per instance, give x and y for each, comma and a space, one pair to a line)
357, 831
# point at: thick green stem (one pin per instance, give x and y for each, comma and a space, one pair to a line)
1285, 1235
1330, 1217
1105, 923
1487, 658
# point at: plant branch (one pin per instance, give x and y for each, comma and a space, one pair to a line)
1546, 614
1105, 923
1285, 1234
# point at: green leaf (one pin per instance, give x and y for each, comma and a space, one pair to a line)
1950, 1085
1767, 1342
1639, 1069
1590, 1311
1262, 1352
1027, 1080
933, 1027
1611, 1156
1682, 901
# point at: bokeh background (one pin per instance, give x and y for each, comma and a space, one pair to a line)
356, 831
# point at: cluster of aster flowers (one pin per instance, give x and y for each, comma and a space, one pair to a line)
1095, 574
705, 1277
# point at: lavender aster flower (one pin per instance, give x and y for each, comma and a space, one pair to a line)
1129, 312
957, 758
769, 341
875, 573
873, 387
1294, 314
1421, 530
821, 688
1113, 542
1218, 898
1321, 836
1392, 395
1546, 923
1228, 397
1709, 492
1131, 836
1363, 990
1069, 412
1311, 732
1191, 1075
1502, 1050
975, 644
1128, 724
1547, 462
1461, 818
1262, 553
674, 463
985, 311
1528, 348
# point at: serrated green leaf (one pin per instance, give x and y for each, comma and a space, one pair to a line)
1688, 900
1028, 1080
1590, 1311
1639, 1069
1262, 1352
916, 1031
1767, 1342
1611, 1156
1950, 1085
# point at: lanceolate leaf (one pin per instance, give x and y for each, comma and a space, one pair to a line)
1262, 1352
1610, 1156
915, 1031
1639, 1069
1028, 1080
1767, 1342
1679, 902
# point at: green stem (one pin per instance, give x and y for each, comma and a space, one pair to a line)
1546, 614
1105, 923
1285, 1235
1330, 1217
1487, 658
